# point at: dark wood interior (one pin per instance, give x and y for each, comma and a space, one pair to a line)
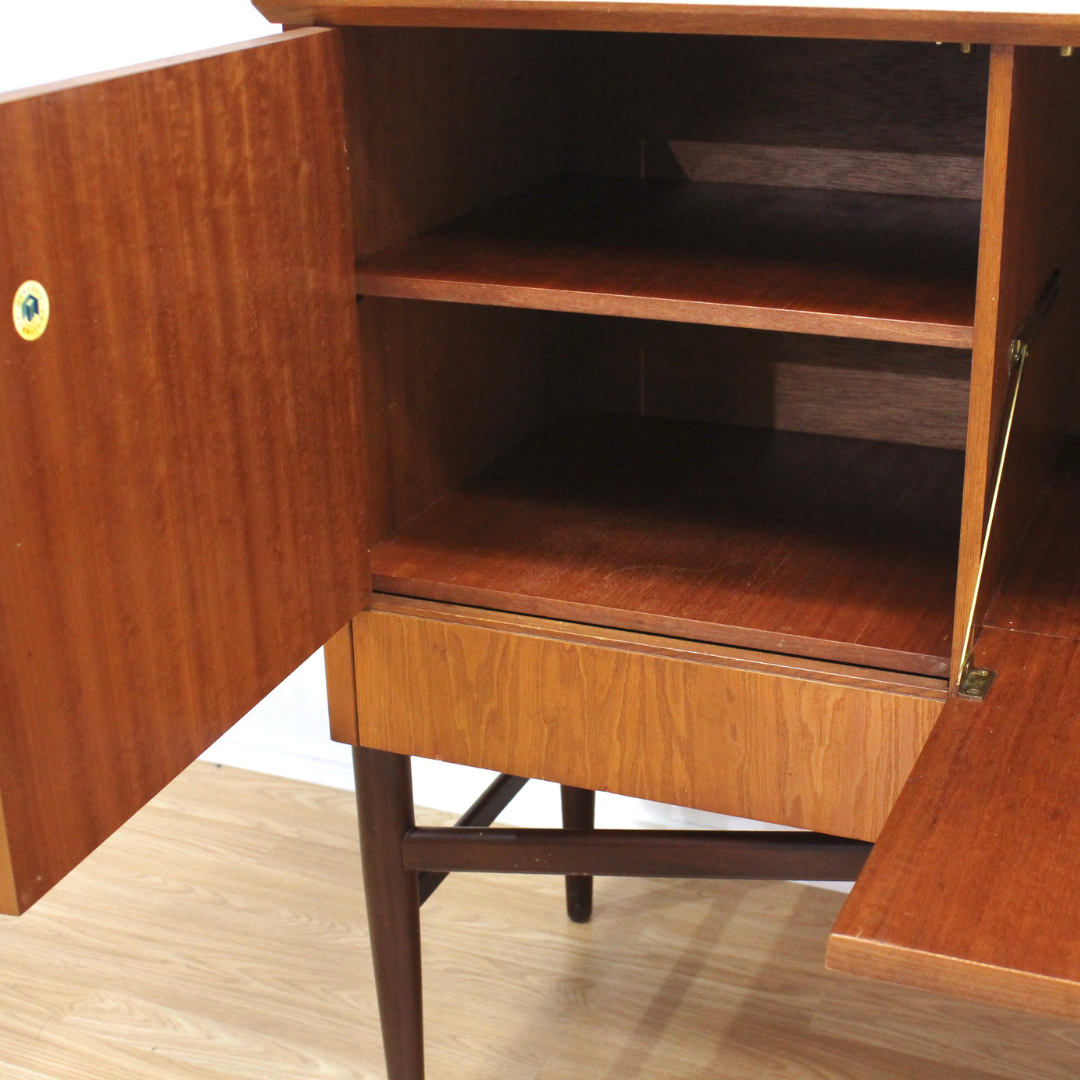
841, 549
792, 382
821, 261
1040, 593
692, 278
753, 182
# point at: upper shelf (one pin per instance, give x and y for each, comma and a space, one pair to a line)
847, 264
818, 21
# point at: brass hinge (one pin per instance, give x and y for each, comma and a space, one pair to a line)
974, 683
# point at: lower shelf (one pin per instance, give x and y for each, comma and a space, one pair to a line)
808, 545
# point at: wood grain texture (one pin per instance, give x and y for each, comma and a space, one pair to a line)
795, 751
9, 897
244, 954
792, 382
830, 548
843, 263
972, 887
384, 804
183, 502
1028, 231
444, 121
940, 176
632, 97
701, 18
448, 388
341, 685
1040, 593
761, 854
698, 652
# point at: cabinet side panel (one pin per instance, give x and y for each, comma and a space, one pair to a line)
443, 121
182, 497
9, 901
788, 750
341, 685
1031, 227
448, 388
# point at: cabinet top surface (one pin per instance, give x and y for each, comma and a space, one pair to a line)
1010, 22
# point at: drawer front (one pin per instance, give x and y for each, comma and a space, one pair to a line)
697, 726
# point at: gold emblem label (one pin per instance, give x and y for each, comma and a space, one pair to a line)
31, 310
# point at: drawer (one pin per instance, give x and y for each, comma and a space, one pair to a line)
804, 743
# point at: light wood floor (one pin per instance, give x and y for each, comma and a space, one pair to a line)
221, 934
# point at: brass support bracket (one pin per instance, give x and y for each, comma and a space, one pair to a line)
974, 683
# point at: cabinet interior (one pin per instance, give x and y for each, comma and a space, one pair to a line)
670, 333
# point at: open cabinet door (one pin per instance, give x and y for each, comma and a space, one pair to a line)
181, 488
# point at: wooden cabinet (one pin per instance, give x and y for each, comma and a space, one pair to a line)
665, 429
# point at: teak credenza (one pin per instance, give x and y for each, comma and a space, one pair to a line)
668, 399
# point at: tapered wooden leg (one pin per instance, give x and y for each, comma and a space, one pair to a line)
578, 812
384, 801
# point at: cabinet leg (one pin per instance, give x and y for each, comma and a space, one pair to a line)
578, 807
384, 802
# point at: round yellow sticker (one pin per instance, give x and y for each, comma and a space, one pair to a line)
31, 310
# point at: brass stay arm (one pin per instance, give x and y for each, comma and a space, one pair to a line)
975, 682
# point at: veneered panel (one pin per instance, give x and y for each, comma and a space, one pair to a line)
792, 382
808, 545
341, 685
182, 495
972, 886
1028, 28
444, 121
684, 723
1030, 228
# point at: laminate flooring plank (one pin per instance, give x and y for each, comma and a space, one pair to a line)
220, 934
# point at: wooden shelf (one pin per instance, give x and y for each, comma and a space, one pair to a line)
808, 545
849, 264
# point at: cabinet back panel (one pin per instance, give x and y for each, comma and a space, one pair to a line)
669, 106
443, 121
791, 382
448, 388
